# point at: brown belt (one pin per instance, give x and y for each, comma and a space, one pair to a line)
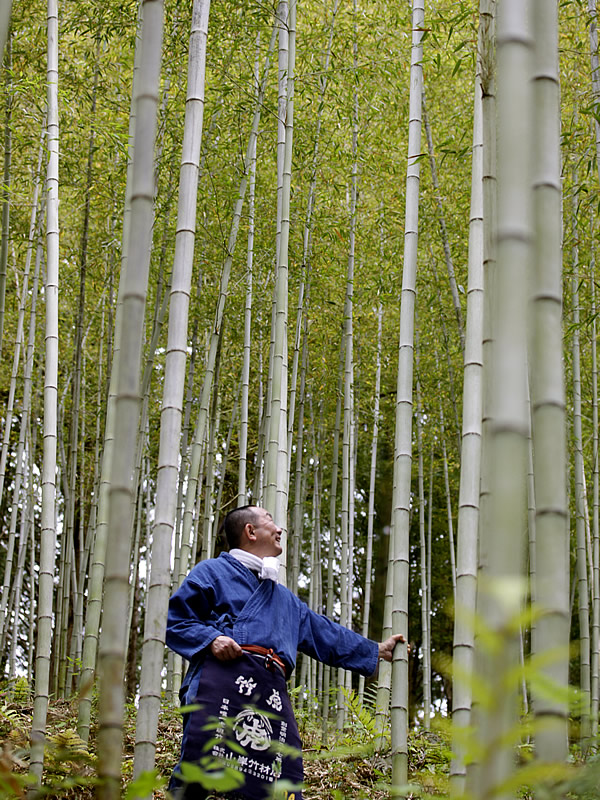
272, 660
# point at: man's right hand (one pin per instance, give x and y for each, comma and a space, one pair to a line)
225, 648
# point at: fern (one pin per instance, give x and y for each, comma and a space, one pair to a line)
359, 713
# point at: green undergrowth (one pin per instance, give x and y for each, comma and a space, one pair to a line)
345, 766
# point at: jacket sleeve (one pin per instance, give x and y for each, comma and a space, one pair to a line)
191, 625
335, 645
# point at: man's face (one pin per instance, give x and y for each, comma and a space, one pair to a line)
267, 533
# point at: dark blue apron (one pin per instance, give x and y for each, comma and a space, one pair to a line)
245, 721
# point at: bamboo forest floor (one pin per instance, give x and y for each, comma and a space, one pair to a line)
348, 770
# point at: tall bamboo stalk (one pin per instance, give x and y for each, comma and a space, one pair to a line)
276, 467
97, 568
487, 72
242, 497
502, 586
423, 558
582, 560
346, 516
595, 644
159, 585
372, 478
595, 665
548, 394
404, 408
5, 10
299, 478
48, 531
18, 581
468, 503
32, 574
113, 640
332, 534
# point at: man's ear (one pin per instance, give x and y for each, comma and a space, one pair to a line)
249, 532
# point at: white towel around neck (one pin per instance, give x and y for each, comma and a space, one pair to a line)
267, 568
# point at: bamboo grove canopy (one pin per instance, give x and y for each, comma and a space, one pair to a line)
335, 258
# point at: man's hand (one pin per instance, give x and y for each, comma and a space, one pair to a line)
225, 648
386, 649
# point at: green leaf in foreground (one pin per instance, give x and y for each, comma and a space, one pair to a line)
144, 785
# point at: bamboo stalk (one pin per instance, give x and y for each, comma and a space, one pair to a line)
276, 465
372, 479
97, 568
423, 559
48, 532
242, 498
113, 640
502, 585
404, 409
159, 584
582, 560
595, 665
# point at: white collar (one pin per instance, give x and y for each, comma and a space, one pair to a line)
267, 568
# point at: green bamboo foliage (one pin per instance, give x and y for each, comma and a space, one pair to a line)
48, 532
113, 641
303, 384
443, 228
502, 585
194, 485
6, 177
23, 489
19, 335
172, 406
404, 408
74, 467
307, 236
214, 420
19, 343
547, 391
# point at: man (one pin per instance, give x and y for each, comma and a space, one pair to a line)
240, 630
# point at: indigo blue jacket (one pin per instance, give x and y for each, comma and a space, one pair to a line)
222, 597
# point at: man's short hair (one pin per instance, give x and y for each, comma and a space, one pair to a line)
234, 524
